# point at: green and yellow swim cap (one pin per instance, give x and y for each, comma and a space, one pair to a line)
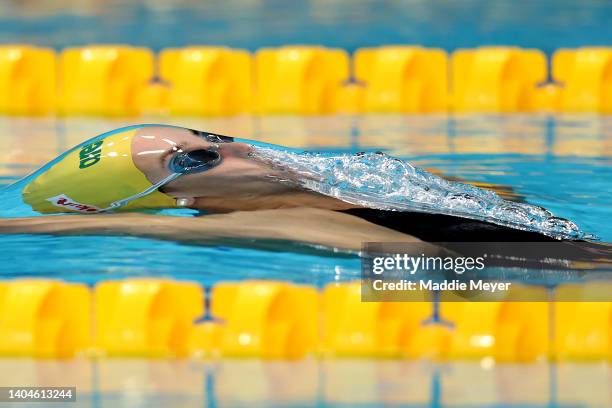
93, 177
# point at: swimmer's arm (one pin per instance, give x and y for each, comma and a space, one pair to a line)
307, 225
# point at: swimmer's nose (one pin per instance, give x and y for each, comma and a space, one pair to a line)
236, 149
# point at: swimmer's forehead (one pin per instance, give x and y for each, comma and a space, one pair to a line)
152, 140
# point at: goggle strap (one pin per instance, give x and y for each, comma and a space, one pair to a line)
125, 201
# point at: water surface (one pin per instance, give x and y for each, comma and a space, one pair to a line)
561, 163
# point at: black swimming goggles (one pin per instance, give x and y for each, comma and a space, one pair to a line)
194, 161
197, 161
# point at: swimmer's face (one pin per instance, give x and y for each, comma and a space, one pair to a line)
237, 175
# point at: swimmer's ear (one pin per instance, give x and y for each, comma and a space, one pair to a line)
185, 201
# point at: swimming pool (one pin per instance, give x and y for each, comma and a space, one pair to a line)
559, 162
311, 383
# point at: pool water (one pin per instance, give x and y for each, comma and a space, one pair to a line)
311, 383
558, 162
348, 24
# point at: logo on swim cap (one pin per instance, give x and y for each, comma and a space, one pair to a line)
63, 201
90, 154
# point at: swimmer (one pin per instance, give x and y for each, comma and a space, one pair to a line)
153, 167
149, 167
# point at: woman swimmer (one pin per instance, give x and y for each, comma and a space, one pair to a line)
147, 167
157, 166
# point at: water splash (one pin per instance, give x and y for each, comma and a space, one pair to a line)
376, 180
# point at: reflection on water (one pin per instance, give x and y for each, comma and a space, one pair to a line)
527, 152
27, 143
254, 383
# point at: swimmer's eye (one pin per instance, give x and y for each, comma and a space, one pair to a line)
194, 161
212, 137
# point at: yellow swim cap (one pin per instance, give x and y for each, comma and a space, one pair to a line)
90, 179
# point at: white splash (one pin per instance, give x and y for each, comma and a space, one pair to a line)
376, 180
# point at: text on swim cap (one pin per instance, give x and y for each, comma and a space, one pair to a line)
90, 154
63, 201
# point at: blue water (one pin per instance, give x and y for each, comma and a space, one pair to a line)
350, 24
561, 163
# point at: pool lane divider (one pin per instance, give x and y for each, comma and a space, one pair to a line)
122, 80
47, 318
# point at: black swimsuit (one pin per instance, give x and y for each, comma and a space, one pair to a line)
452, 232
445, 228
